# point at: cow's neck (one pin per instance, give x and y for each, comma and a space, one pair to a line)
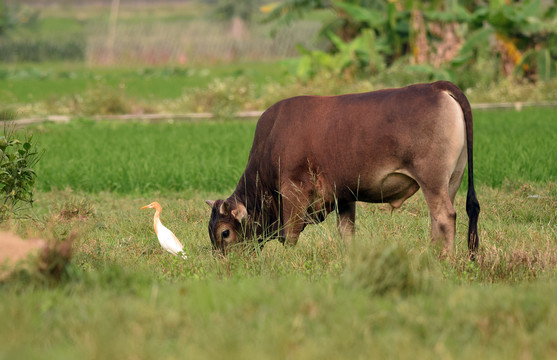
247, 193
261, 204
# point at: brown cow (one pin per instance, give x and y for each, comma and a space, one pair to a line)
312, 155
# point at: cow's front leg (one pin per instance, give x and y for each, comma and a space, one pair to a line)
294, 208
345, 220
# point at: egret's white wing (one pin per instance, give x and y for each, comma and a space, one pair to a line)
168, 240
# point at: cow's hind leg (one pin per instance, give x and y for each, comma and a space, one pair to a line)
443, 217
441, 207
440, 168
458, 173
345, 220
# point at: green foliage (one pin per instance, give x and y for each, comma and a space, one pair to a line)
541, 60
17, 175
525, 34
363, 54
364, 40
367, 38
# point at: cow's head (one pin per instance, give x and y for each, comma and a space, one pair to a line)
227, 223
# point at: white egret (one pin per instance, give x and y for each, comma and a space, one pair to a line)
167, 239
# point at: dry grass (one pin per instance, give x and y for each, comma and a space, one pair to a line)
517, 234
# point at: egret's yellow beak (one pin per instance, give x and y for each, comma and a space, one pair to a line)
146, 206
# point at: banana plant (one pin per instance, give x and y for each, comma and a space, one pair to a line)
364, 54
524, 34
367, 36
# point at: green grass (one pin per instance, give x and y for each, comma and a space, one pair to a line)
255, 318
510, 148
126, 158
515, 146
28, 84
387, 295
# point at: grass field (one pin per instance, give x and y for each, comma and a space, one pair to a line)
388, 295
41, 82
210, 156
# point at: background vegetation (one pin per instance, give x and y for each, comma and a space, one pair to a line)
385, 295
225, 56
444, 39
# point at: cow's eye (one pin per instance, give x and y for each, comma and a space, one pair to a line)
225, 234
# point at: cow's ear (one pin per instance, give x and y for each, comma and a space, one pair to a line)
224, 208
240, 212
210, 202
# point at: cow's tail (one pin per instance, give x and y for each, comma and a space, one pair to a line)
472, 204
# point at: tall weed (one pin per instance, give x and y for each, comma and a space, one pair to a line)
17, 174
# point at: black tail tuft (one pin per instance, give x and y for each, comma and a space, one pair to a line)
473, 211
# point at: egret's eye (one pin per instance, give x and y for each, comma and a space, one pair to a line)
225, 234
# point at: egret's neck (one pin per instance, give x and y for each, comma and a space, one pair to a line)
157, 219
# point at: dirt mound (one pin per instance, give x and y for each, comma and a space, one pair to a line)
48, 257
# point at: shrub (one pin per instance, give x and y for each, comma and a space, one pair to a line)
223, 97
17, 177
104, 100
